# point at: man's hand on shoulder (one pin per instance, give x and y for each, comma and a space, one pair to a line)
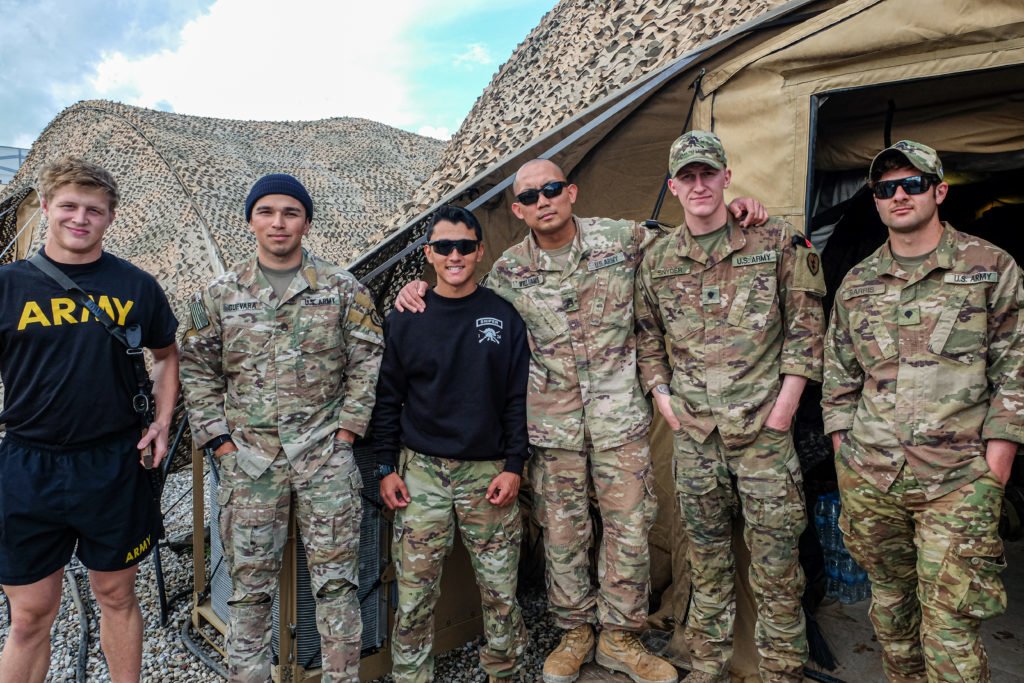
410, 298
393, 491
504, 489
748, 211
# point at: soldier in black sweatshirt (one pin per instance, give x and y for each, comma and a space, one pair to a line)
451, 397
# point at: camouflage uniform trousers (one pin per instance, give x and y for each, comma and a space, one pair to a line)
934, 568
768, 488
443, 492
254, 528
623, 482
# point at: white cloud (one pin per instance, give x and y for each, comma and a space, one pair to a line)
256, 59
439, 132
474, 54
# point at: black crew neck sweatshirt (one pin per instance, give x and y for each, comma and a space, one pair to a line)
453, 382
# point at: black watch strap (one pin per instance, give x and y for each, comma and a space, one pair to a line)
384, 469
217, 441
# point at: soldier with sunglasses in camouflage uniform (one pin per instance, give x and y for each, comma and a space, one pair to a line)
452, 399
571, 279
924, 400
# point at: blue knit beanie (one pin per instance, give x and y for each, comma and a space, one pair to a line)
278, 183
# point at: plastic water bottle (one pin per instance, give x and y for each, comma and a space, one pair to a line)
821, 522
833, 580
849, 575
835, 507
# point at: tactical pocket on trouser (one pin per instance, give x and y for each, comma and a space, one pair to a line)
970, 576
651, 500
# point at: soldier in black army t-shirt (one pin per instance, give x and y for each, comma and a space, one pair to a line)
70, 464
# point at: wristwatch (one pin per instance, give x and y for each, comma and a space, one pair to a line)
384, 469
217, 441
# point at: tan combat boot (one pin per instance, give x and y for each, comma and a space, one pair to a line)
575, 650
622, 651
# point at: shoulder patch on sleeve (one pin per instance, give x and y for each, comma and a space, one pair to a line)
807, 272
198, 315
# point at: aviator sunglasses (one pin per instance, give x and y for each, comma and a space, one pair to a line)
915, 184
444, 247
550, 190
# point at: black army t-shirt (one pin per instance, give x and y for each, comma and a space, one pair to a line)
66, 380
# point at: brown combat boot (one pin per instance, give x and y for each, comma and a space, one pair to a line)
575, 650
622, 651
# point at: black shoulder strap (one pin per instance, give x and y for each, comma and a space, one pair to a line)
40, 262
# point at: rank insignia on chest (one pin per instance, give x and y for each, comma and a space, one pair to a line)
910, 315
711, 296
570, 302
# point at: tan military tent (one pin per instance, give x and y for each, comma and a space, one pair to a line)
802, 96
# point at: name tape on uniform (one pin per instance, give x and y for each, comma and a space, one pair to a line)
754, 259
971, 278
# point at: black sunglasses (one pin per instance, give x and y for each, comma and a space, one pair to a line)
915, 184
550, 190
444, 247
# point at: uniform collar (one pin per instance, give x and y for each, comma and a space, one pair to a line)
688, 247
943, 257
541, 261
252, 278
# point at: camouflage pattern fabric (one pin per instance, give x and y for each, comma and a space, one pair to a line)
623, 481
696, 146
921, 157
721, 329
769, 492
254, 528
580, 319
443, 492
934, 565
949, 336
282, 376
281, 373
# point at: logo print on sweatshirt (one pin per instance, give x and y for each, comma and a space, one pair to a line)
488, 329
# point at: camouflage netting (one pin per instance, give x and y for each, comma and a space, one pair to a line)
184, 179
580, 53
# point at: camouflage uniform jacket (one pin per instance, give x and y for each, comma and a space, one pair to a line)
723, 328
583, 348
282, 373
925, 366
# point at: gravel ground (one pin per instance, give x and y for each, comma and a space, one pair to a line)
164, 656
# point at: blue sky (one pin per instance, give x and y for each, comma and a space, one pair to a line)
414, 64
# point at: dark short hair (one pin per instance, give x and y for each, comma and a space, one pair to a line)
455, 214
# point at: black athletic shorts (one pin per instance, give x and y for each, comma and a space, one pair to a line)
98, 497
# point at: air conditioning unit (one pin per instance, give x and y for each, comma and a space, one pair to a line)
373, 553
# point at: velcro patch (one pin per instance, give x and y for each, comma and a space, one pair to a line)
668, 272
971, 278
526, 282
605, 262
754, 259
862, 290
197, 311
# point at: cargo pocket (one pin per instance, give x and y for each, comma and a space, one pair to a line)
754, 299
253, 530
969, 575
960, 332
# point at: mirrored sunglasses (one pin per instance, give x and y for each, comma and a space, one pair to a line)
550, 190
444, 247
915, 184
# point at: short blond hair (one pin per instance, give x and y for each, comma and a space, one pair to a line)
76, 171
